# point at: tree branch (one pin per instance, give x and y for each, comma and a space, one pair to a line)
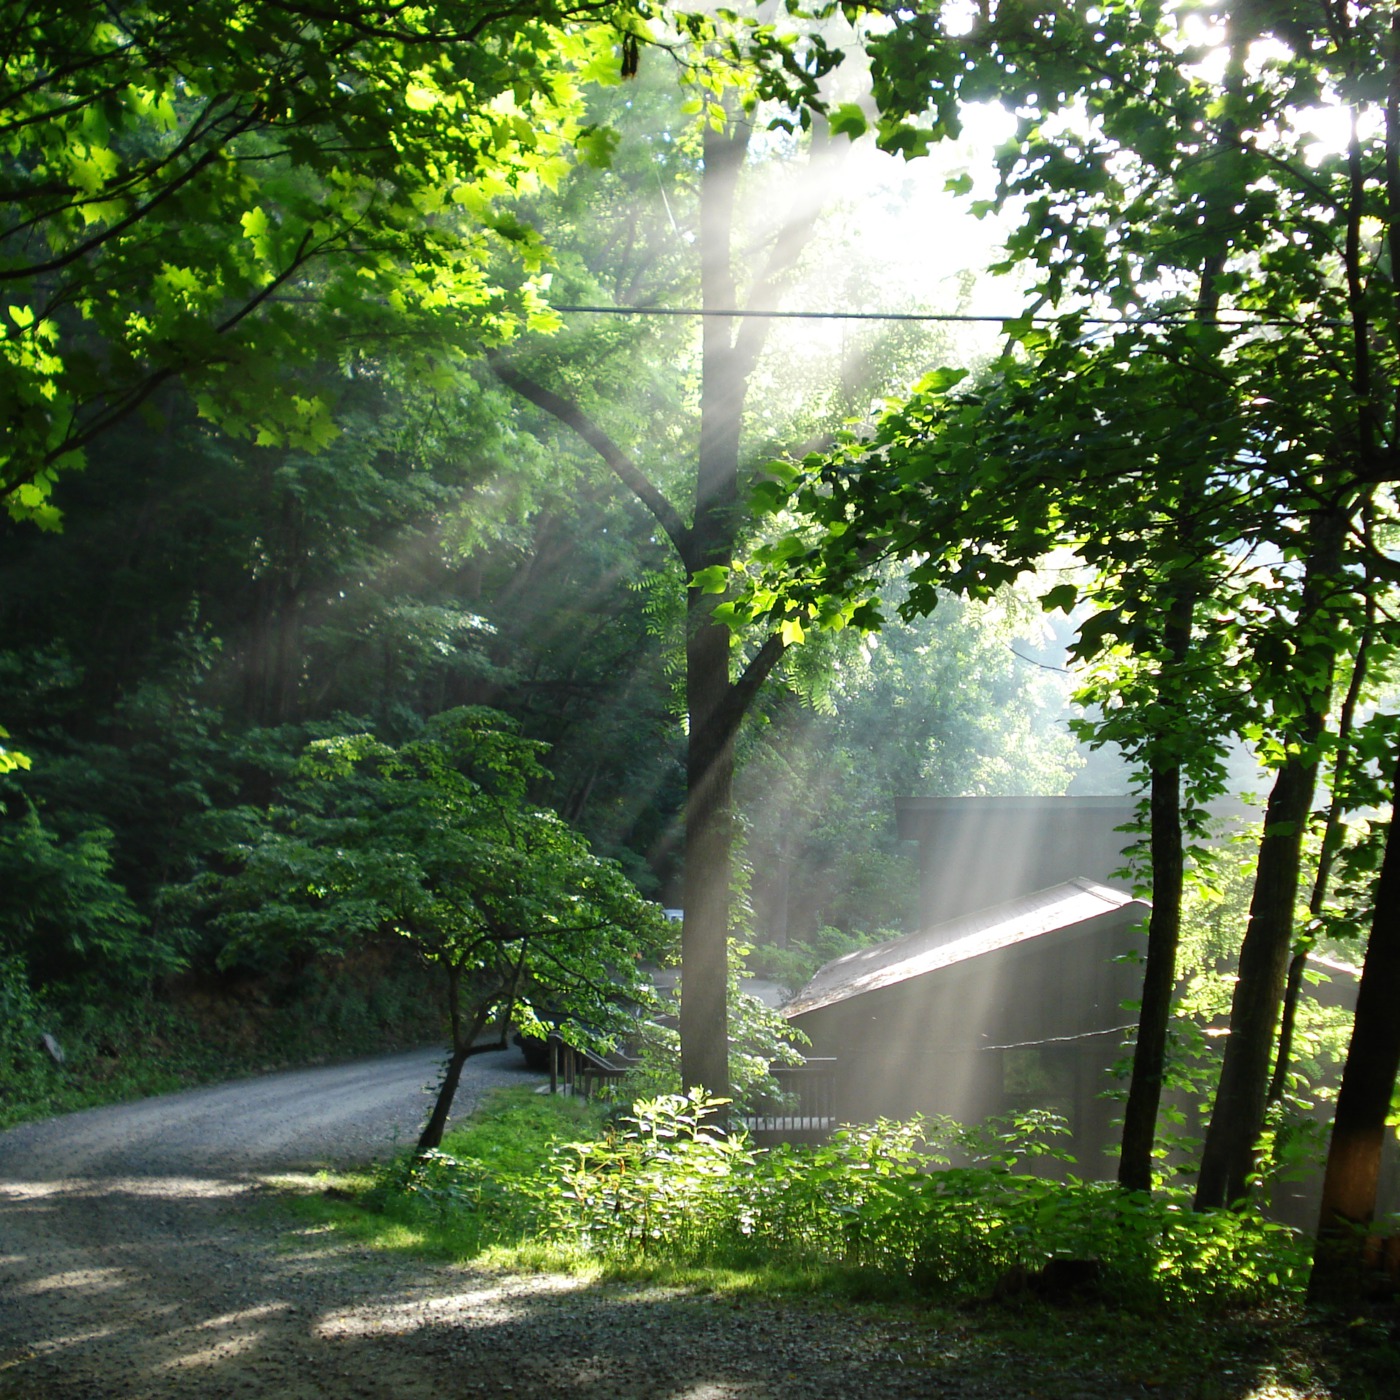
729, 713
623, 467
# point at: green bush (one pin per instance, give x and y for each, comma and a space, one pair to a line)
26, 1071
882, 1198
663, 1184
483, 1188
61, 911
879, 1202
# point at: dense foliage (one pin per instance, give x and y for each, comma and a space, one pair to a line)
879, 1201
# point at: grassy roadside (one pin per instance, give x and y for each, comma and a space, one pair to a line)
477, 1207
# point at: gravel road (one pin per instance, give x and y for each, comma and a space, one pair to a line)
138, 1258
141, 1258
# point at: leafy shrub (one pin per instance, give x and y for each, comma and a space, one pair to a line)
666, 1183
63, 913
879, 1201
483, 1187
25, 1069
20, 1010
882, 1198
444, 1184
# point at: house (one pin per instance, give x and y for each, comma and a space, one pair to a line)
1013, 993
1014, 1006
1010, 995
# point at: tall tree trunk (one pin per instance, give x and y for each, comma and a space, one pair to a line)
715, 704
1363, 1102
709, 833
1327, 855
1163, 937
1373, 1057
708, 879
1168, 856
1228, 1158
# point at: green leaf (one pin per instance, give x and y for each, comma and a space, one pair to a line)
255, 223
714, 579
847, 120
1063, 596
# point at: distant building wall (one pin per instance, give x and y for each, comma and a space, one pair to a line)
976, 851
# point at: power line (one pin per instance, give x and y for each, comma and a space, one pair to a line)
1044, 665
1184, 316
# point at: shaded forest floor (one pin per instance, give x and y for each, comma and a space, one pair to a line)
205, 1030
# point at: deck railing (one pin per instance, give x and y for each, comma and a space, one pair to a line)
802, 1107
583, 1072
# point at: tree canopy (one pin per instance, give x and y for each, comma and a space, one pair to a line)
436, 841
244, 196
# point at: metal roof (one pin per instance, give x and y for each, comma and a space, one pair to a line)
1074, 905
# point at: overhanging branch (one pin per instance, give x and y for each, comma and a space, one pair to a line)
623, 467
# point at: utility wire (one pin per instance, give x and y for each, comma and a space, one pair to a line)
1185, 316
1044, 665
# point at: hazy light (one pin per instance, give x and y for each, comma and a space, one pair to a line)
1328, 129
958, 17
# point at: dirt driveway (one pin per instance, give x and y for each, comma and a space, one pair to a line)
138, 1259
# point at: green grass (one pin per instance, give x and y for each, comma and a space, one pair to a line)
478, 1212
516, 1129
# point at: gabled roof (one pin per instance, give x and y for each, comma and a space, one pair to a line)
1076, 905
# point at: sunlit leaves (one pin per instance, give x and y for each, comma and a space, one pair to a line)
361, 171
436, 839
10, 759
847, 120
714, 579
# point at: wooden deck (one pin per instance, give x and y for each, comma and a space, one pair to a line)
801, 1109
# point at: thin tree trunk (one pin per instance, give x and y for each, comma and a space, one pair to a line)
431, 1137
1331, 844
1363, 1102
1229, 1157
1163, 938
463, 1047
